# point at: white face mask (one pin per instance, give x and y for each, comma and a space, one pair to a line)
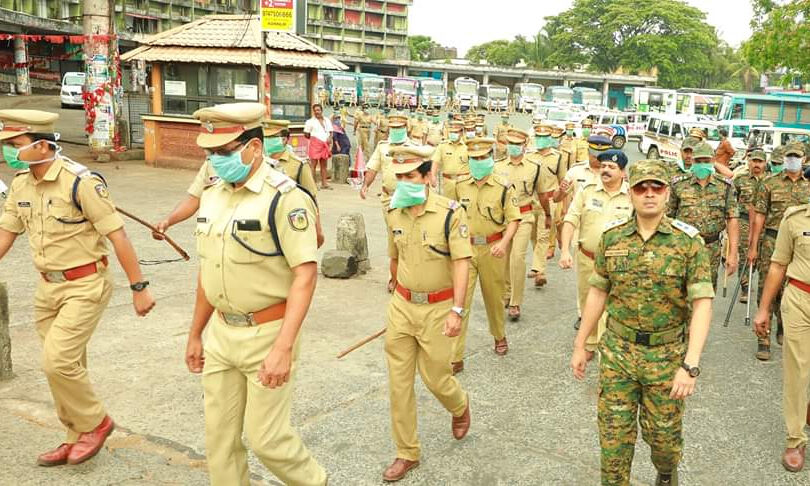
793, 163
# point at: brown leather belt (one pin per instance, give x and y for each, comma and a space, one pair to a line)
425, 297
799, 284
364, 126
73, 273
587, 253
485, 240
525, 209
453, 176
269, 314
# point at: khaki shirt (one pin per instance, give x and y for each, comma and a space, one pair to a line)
529, 180
362, 120
297, 170
423, 251
706, 208
490, 206
593, 207
452, 159
205, 178
776, 193
793, 243
500, 133
380, 162
435, 134
581, 175
418, 129
235, 279
581, 150
651, 283
61, 235
549, 167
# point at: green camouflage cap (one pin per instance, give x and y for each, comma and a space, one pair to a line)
702, 151
757, 154
649, 170
689, 143
778, 154
795, 148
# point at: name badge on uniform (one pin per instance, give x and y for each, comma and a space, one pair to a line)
614, 253
202, 220
806, 233
596, 203
396, 232
465, 201
24, 204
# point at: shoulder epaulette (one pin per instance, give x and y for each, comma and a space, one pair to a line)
280, 181
452, 204
501, 180
795, 210
464, 178
75, 168
727, 180
615, 223
22, 172
680, 178
686, 228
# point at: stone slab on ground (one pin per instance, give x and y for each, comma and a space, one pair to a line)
338, 264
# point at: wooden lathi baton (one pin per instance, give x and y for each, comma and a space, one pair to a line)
168, 240
361, 343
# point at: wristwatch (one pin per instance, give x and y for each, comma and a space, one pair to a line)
138, 286
693, 371
459, 310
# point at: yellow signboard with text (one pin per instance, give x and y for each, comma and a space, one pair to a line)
278, 16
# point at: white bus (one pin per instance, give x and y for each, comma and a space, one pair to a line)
526, 96
491, 97
465, 93
658, 100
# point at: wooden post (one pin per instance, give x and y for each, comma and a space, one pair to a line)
5, 338
157, 88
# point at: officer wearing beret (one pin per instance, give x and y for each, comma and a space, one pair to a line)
785, 188
257, 245
708, 202
745, 183
69, 216
491, 205
652, 275
584, 173
550, 161
530, 182
429, 248
597, 204
279, 156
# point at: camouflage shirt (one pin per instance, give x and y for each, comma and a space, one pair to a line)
778, 192
650, 284
706, 208
745, 184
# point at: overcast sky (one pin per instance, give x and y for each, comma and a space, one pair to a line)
465, 23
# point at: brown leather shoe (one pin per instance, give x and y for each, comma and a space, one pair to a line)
461, 425
763, 349
532, 274
56, 457
540, 280
793, 459
90, 443
398, 469
501, 347
458, 367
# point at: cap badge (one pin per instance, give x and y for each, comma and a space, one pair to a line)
209, 126
614, 158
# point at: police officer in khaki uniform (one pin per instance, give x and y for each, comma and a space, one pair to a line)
381, 121
362, 128
550, 159
491, 205
429, 247
418, 127
68, 215
450, 159
791, 259
530, 182
256, 241
435, 129
500, 137
380, 161
596, 205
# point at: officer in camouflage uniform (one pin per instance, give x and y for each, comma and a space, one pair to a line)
708, 202
745, 182
776, 193
651, 272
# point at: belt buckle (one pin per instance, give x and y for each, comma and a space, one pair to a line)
643, 338
238, 320
55, 277
479, 240
419, 297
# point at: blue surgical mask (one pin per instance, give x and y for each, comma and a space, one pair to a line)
408, 194
273, 145
397, 135
777, 168
454, 136
481, 168
514, 150
229, 167
793, 163
702, 170
543, 142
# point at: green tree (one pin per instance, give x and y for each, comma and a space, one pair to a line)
420, 47
781, 37
603, 35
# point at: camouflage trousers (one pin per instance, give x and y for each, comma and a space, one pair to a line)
634, 385
716, 255
767, 246
742, 251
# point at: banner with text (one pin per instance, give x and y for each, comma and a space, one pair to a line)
278, 16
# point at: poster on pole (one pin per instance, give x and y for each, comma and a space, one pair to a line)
278, 16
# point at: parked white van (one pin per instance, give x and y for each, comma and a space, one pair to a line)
665, 133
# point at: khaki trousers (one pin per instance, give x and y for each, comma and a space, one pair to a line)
414, 340
491, 272
236, 402
66, 314
363, 136
540, 241
584, 271
516, 274
795, 363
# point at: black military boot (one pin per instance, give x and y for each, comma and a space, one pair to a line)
667, 479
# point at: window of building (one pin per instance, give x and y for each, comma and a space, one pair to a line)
189, 87
289, 94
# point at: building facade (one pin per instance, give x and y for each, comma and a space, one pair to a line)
377, 29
